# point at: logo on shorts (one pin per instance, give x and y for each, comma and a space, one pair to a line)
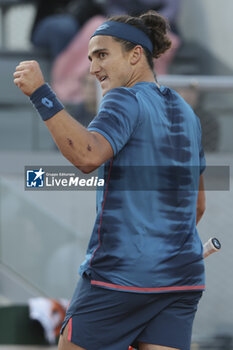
46, 102
35, 178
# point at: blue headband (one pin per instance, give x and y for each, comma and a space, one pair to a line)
126, 32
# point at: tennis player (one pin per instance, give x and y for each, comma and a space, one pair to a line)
143, 274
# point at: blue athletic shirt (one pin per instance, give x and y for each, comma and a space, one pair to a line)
145, 238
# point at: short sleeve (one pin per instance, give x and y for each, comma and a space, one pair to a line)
117, 117
201, 151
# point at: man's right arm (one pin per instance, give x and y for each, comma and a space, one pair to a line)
87, 150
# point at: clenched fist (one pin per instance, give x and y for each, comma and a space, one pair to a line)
28, 77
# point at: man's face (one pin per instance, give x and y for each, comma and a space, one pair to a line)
109, 63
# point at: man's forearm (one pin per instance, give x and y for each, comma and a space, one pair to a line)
201, 202
81, 147
200, 213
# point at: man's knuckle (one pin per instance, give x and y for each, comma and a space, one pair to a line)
34, 64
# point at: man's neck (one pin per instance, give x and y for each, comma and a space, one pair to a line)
146, 75
142, 72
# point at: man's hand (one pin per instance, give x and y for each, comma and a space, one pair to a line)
28, 77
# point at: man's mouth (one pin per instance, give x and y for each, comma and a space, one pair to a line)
103, 78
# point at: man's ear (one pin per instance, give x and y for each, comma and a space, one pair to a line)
136, 54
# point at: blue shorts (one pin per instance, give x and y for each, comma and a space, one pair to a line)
102, 319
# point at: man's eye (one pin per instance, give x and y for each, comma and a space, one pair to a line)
102, 54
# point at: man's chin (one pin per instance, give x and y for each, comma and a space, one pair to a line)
105, 90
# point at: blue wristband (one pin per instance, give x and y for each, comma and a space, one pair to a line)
45, 101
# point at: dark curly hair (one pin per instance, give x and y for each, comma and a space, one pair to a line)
155, 26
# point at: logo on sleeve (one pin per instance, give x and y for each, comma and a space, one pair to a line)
46, 102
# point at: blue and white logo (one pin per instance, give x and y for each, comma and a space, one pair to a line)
46, 102
102, 27
35, 178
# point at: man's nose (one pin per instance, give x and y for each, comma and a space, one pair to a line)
94, 68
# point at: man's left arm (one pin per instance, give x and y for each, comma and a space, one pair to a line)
200, 200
